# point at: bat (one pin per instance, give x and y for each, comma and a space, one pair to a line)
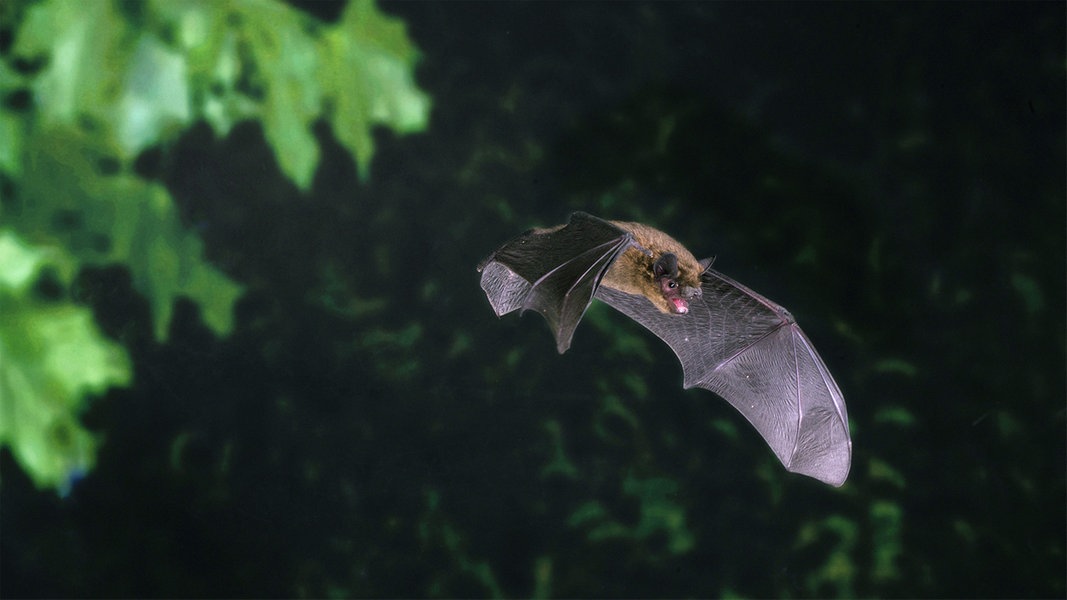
728, 338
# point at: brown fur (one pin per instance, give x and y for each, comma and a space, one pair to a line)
632, 272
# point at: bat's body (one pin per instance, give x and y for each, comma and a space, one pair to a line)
728, 338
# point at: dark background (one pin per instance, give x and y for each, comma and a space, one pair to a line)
892, 173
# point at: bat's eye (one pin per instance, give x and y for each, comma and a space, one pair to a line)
668, 287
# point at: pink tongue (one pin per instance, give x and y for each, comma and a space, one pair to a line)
680, 306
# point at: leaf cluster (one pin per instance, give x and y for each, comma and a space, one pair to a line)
91, 89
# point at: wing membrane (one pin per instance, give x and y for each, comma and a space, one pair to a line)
751, 352
555, 272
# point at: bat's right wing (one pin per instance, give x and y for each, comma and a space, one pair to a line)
554, 271
751, 352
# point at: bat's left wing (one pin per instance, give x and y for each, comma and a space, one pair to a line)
751, 352
554, 271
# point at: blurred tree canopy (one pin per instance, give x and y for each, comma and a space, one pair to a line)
337, 413
91, 87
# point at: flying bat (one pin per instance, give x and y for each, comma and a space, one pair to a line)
729, 339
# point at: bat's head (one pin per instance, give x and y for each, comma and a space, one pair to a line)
672, 285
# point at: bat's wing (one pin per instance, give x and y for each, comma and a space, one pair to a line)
751, 352
555, 272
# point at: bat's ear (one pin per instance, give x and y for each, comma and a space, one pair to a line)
706, 263
666, 265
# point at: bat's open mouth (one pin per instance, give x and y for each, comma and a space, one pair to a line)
680, 306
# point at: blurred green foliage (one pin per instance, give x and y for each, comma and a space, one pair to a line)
659, 514
104, 82
436, 529
51, 354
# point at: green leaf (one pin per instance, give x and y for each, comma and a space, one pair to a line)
155, 98
11, 126
166, 260
260, 59
284, 56
368, 74
51, 357
131, 90
251, 59
106, 219
83, 44
209, 36
227, 61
